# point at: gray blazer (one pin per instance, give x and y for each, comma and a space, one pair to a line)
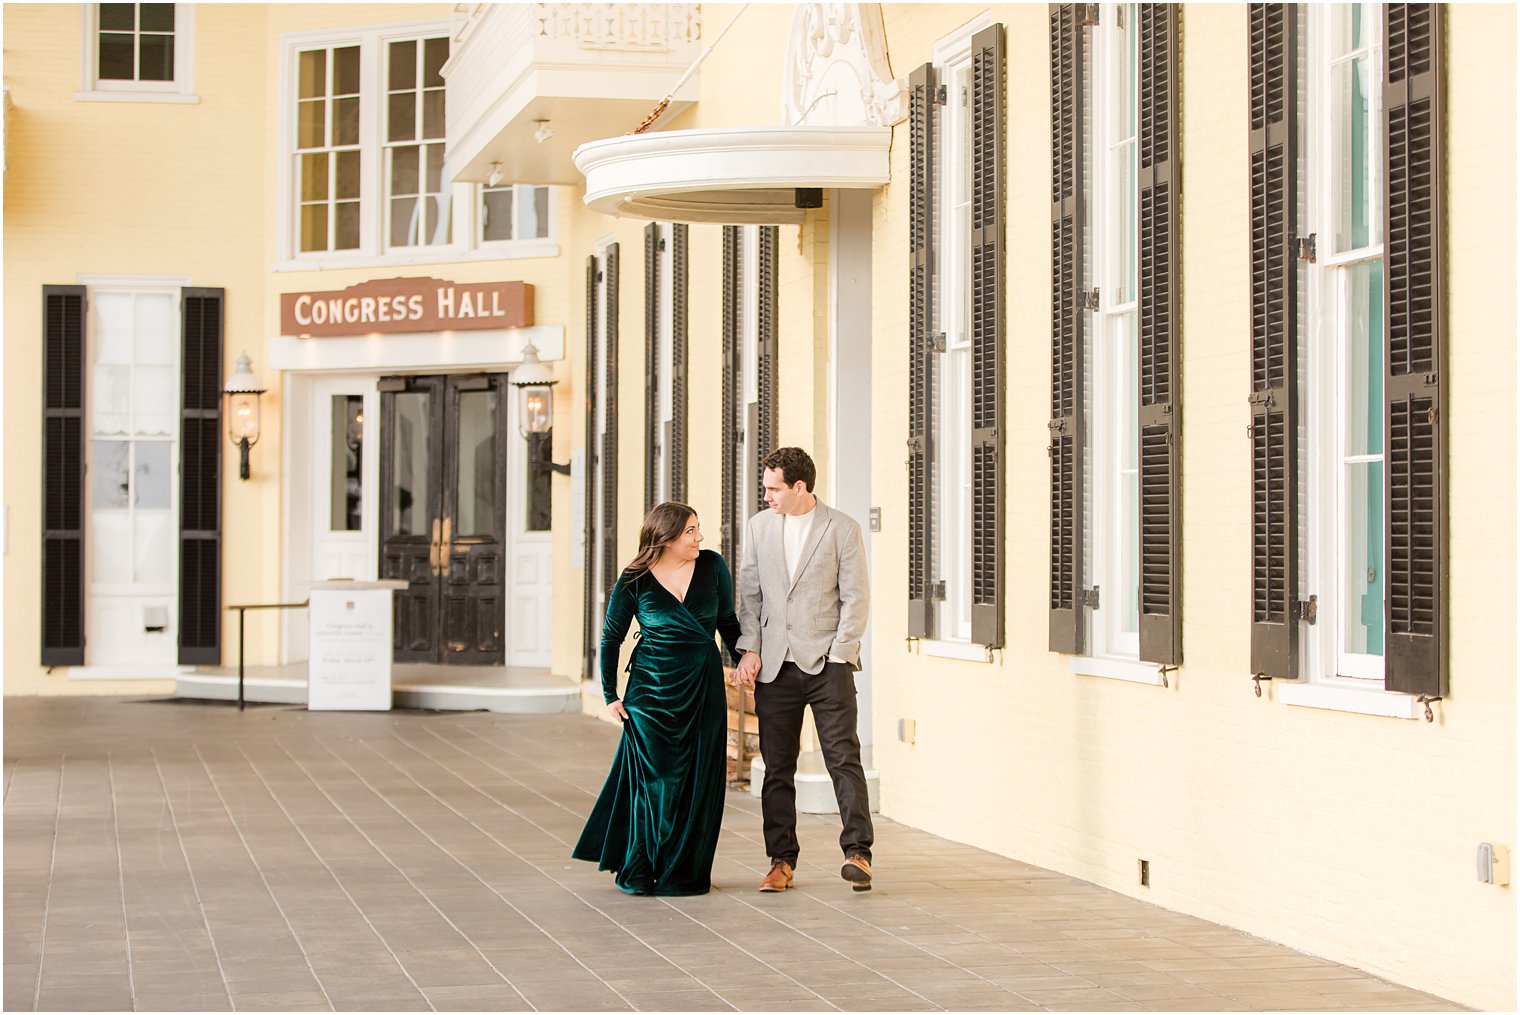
819, 613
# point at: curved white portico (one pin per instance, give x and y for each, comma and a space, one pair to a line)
733, 175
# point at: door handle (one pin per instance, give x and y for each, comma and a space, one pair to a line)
446, 548
433, 549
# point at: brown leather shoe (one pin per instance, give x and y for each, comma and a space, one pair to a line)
857, 871
779, 879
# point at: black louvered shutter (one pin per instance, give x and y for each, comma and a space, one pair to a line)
591, 627
63, 318
1160, 395
923, 139
733, 450
675, 440
767, 346
651, 365
1274, 340
1414, 317
610, 438
202, 321
988, 175
1068, 327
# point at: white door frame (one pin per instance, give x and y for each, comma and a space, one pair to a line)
850, 389
305, 479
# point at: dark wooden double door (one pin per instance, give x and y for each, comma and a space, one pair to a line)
442, 527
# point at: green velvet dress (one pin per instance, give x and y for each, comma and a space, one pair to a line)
656, 822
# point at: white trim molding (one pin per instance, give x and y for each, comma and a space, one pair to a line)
731, 175
495, 348
967, 651
180, 90
1118, 669
1367, 701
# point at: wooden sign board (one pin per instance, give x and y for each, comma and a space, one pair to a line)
406, 305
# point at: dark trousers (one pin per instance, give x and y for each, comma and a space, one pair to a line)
778, 706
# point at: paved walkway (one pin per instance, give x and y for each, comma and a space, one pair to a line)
163, 855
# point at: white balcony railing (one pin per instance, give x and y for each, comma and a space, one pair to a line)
588, 70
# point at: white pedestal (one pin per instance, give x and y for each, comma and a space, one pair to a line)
349, 666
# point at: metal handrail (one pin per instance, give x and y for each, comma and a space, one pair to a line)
242, 609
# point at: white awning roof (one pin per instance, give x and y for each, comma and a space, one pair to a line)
732, 175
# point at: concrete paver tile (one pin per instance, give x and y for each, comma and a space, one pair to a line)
397, 861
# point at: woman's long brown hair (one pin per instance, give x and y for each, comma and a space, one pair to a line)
662, 526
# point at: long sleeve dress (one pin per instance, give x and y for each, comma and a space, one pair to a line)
656, 822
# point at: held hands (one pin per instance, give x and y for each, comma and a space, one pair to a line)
747, 670
617, 711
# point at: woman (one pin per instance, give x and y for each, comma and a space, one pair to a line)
655, 824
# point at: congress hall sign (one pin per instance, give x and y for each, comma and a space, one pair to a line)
406, 305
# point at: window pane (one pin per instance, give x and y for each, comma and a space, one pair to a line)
432, 113
310, 128
312, 75
314, 226
540, 213
118, 17
314, 177
347, 463
1364, 558
157, 401
496, 213
345, 122
1353, 162
154, 325
403, 221
348, 226
477, 463
110, 400
348, 175
436, 54
116, 57
404, 170
110, 475
346, 71
1364, 371
151, 476
411, 514
434, 168
403, 72
402, 122
156, 17
440, 225
113, 327
156, 61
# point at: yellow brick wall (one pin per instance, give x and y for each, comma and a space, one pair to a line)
84, 195
1349, 836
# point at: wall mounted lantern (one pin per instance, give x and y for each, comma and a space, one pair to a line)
243, 393
535, 386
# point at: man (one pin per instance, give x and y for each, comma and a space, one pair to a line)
803, 596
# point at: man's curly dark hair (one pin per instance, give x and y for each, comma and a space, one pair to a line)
794, 464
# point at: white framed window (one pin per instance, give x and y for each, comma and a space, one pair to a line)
137, 53
328, 172
1341, 383
363, 172
1113, 517
951, 427
416, 198
512, 212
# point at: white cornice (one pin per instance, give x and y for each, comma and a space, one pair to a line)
735, 175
